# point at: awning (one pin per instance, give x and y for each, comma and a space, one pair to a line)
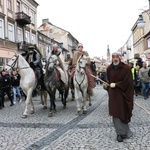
6, 53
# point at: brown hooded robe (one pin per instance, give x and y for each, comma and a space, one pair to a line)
120, 97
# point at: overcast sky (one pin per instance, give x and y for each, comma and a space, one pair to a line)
94, 23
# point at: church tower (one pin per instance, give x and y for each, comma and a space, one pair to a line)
108, 53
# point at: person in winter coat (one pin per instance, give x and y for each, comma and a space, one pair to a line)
5, 87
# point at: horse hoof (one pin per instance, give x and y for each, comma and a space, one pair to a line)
44, 107
78, 112
32, 112
50, 114
64, 107
90, 104
84, 111
24, 116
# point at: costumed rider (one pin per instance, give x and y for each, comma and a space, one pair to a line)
34, 59
60, 65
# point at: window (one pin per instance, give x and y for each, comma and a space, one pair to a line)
20, 34
33, 39
9, 4
18, 6
27, 37
11, 32
148, 42
1, 29
25, 9
32, 17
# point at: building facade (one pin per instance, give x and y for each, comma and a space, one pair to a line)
141, 38
68, 42
18, 24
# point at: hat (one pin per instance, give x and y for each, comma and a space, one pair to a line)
80, 45
116, 53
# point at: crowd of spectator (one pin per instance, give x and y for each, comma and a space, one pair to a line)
9, 85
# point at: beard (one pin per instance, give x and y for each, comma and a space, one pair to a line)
116, 63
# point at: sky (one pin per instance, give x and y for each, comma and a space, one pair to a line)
94, 23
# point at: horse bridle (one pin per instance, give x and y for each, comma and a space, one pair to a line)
78, 72
14, 63
80, 66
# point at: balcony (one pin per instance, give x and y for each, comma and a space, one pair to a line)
22, 18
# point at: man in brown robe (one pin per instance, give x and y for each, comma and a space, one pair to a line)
77, 54
120, 92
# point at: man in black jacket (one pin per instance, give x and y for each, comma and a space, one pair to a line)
33, 57
5, 87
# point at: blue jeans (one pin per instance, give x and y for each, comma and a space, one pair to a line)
146, 89
16, 90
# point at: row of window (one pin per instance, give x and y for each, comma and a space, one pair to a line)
19, 37
20, 8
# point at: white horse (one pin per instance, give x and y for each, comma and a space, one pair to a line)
28, 81
81, 83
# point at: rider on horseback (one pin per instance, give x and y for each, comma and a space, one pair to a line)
76, 55
33, 57
60, 65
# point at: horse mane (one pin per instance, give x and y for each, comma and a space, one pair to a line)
24, 60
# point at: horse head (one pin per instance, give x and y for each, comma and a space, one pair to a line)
51, 63
13, 62
81, 64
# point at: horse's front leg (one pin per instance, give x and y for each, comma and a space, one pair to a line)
84, 97
44, 99
52, 103
77, 100
28, 100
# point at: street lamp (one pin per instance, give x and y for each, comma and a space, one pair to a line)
141, 22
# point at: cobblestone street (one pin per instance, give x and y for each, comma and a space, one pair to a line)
68, 131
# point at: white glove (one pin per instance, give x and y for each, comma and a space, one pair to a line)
112, 85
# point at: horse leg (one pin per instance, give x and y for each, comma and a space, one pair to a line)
28, 100
66, 95
52, 103
73, 96
32, 106
84, 102
89, 97
77, 101
44, 99
63, 98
